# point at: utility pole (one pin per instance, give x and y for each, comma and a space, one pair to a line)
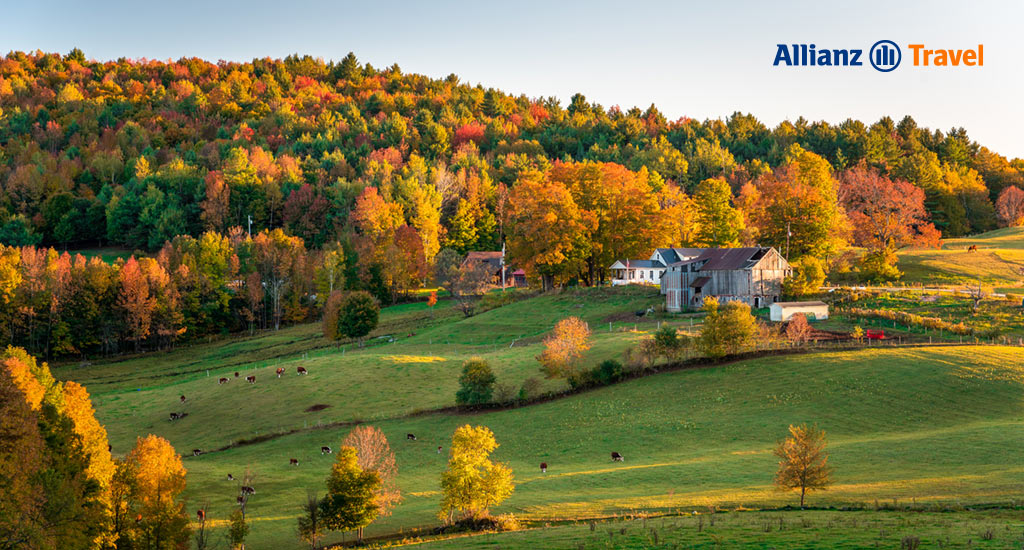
788, 234
250, 232
503, 267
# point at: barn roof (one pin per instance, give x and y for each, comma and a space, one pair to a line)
674, 255
715, 259
488, 257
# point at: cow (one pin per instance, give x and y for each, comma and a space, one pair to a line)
325, 450
438, 449
109, 447
972, 248
410, 437
236, 374
222, 381
293, 462
138, 518
246, 490
543, 467
240, 500
250, 379
301, 370
178, 416
200, 515
197, 452
183, 399
616, 457
231, 477
279, 371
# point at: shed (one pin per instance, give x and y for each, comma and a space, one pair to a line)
783, 311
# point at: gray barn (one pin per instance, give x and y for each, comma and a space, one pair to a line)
751, 275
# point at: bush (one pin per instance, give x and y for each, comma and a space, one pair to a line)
879, 266
608, 372
505, 393
530, 389
476, 383
726, 330
807, 278
350, 315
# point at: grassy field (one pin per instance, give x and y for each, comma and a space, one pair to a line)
998, 263
931, 425
775, 529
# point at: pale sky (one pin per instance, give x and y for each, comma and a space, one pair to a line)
696, 59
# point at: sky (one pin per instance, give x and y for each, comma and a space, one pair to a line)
696, 59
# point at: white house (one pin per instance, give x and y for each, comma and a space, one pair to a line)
649, 272
784, 311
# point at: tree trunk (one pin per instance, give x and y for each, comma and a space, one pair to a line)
803, 493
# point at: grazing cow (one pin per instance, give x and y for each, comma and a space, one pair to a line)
250, 379
325, 450
293, 462
543, 467
196, 452
110, 447
438, 449
246, 490
616, 457
236, 375
302, 370
183, 399
972, 248
222, 381
240, 500
200, 515
175, 416
410, 437
231, 477
280, 371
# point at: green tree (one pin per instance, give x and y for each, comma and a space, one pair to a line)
351, 500
807, 278
472, 483
311, 523
879, 265
476, 385
238, 530
728, 329
358, 313
718, 223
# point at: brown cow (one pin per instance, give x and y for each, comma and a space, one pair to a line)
250, 379
543, 467
240, 500
200, 515
293, 462
325, 450
246, 490
222, 381
616, 457
280, 371
231, 477
196, 452
236, 375
972, 248
183, 399
410, 437
302, 370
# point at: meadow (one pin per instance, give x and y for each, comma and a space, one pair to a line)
923, 425
998, 263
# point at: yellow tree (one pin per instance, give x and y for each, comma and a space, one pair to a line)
803, 462
78, 407
134, 302
564, 347
472, 483
159, 480
375, 455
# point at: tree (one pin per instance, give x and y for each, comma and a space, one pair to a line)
432, 301
351, 500
718, 223
879, 266
470, 281
21, 457
1010, 206
472, 483
311, 526
807, 278
157, 484
726, 330
238, 530
564, 347
798, 329
883, 212
279, 261
135, 303
375, 455
356, 315
476, 385
803, 462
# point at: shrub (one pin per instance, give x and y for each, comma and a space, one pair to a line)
807, 278
726, 330
608, 372
505, 392
476, 383
350, 315
563, 348
879, 266
530, 389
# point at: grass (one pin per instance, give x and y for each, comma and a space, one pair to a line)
784, 529
933, 424
107, 254
999, 261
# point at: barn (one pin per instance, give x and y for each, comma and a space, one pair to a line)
752, 275
784, 311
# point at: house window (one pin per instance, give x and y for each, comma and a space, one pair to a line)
652, 275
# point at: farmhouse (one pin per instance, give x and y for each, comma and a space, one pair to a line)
752, 275
495, 262
783, 311
649, 272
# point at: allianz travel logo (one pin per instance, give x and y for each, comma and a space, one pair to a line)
884, 56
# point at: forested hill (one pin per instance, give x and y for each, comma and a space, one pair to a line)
135, 152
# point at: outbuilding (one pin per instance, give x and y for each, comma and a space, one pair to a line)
783, 311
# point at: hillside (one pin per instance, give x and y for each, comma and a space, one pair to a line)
998, 262
931, 424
